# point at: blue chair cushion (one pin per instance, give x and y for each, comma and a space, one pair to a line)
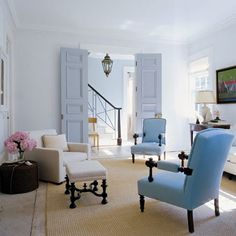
148, 149
166, 186
152, 128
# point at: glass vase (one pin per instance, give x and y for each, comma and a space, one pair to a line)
21, 156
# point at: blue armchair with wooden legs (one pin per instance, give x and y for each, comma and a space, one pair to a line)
153, 138
192, 186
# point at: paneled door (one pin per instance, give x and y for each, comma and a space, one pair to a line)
74, 94
4, 101
148, 87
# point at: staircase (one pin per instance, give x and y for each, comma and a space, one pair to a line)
108, 117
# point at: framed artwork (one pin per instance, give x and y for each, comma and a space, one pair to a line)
226, 85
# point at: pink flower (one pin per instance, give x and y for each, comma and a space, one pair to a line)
11, 147
18, 136
19, 142
27, 144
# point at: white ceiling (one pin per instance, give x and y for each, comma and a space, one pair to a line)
147, 20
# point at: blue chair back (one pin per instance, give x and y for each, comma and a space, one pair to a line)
152, 127
207, 158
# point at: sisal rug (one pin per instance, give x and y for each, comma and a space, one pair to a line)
121, 216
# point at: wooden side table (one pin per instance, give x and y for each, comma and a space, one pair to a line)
199, 127
18, 177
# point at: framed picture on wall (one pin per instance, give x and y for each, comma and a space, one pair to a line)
226, 85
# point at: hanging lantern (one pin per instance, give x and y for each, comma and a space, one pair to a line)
107, 64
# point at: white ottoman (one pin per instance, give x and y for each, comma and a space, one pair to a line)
85, 171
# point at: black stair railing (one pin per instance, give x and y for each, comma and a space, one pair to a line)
105, 111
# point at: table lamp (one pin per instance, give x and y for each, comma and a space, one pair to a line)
205, 97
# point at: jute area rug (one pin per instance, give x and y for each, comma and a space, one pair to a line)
121, 216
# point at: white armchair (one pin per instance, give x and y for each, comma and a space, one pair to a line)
51, 161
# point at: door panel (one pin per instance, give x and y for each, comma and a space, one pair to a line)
74, 95
148, 87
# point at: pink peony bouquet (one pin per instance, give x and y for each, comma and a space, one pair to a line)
19, 142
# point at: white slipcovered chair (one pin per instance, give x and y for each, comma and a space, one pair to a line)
53, 152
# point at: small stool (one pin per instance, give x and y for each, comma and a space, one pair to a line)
85, 171
19, 177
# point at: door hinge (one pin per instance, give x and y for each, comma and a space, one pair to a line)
136, 63
136, 88
136, 114
62, 116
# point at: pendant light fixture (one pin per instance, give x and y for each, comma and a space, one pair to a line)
107, 64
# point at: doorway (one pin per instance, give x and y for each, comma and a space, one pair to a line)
128, 104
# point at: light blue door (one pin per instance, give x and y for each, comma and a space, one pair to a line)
74, 94
148, 87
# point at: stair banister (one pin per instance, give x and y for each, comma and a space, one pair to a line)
107, 120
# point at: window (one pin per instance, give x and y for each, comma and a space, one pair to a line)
199, 74
199, 78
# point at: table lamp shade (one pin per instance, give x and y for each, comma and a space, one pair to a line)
205, 97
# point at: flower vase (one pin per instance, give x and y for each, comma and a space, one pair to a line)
21, 156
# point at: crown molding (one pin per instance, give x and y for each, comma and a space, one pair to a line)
101, 35
114, 35
221, 25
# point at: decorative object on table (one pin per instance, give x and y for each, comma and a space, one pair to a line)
197, 121
107, 64
226, 85
205, 97
158, 115
18, 143
217, 115
18, 177
197, 184
197, 118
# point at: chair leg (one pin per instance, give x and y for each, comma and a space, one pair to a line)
164, 155
67, 191
230, 177
104, 194
190, 221
97, 141
159, 157
72, 196
216, 203
141, 202
133, 157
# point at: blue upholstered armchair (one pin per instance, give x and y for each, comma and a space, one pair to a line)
153, 138
192, 186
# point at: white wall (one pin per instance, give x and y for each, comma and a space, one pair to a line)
37, 98
37, 81
175, 103
223, 51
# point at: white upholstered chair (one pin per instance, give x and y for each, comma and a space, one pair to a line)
52, 152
